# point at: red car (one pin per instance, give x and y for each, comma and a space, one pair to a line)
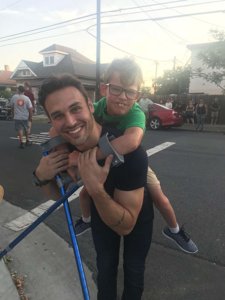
161, 116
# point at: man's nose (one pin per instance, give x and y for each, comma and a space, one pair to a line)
70, 120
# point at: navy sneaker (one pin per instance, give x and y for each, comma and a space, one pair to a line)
81, 227
29, 143
182, 239
21, 146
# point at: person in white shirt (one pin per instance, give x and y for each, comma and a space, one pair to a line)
144, 103
169, 103
22, 110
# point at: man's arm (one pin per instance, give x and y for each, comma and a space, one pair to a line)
120, 212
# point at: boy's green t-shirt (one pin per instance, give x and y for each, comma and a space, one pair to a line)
134, 118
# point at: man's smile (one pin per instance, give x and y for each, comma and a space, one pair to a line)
74, 131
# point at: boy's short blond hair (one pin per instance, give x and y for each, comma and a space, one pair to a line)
129, 71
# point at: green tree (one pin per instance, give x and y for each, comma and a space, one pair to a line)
213, 58
173, 81
146, 90
6, 93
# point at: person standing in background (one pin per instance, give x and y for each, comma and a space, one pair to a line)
28, 92
169, 103
22, 111
201, 112
189, 113
215, 108
144, 103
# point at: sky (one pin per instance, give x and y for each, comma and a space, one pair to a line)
155, 33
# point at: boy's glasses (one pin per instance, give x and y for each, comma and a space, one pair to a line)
118, 90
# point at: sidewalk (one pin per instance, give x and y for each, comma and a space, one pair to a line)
44, 260
207, 128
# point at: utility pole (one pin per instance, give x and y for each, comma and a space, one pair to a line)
156, 74
174, 63
156, 69
98, 49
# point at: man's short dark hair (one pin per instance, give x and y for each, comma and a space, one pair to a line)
55, 83
21, 89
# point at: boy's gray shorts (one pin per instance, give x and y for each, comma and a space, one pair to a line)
21, 125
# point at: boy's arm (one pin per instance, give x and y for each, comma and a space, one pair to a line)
126, 143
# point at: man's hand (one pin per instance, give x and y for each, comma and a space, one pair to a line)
52, 164
92, 174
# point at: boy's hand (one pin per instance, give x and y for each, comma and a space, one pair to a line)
92, 174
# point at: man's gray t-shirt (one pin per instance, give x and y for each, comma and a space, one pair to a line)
21, 104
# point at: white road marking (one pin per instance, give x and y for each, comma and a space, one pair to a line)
158, 148
24, 221
36, 139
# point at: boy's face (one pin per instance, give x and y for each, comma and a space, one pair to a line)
70, 115
119, 103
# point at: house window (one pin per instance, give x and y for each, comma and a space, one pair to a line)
49, 60
24, 73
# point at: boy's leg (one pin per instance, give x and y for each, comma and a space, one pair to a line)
164, 206
162, 203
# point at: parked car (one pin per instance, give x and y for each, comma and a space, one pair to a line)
161, 116
5, 109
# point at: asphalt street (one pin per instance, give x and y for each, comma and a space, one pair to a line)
192, 176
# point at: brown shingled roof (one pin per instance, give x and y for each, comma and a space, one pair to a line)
78, 57
5, 78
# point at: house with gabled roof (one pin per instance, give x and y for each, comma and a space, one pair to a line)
57, 60
5, 79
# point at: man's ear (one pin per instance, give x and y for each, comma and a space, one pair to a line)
91, 106
103, 88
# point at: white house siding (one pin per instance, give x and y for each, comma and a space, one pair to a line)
198, 84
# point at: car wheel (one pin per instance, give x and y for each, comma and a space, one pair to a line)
155, 123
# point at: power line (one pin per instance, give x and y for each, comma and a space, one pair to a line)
126, 52
162, 27
203, 21
64, 23
164, 18
48, 26
42, 38
10, 5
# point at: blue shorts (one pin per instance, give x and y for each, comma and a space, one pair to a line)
21, 125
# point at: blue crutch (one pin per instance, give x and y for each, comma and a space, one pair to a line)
48, 146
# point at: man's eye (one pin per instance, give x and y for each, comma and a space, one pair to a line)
75, 109
57, 117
